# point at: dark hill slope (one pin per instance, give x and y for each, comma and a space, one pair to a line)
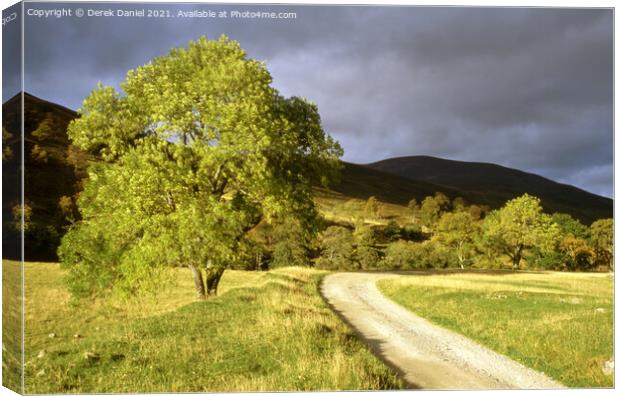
53, 169
493, 185
362, 182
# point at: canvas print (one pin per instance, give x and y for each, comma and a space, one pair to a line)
211, 197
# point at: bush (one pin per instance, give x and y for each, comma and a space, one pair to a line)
392, 231
291, 245
412, 232
412, 255
337, 250
400, 255
367, 257
290, 252
250, 257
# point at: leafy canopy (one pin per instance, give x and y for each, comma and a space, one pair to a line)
196, 150
519, 226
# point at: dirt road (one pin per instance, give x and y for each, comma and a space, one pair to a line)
426, 356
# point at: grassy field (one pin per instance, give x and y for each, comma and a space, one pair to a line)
558, 323
11, 326
266, 331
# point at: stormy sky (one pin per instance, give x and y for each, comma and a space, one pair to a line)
525, 88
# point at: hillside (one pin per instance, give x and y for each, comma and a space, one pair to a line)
361, 182
54, 169
491, 184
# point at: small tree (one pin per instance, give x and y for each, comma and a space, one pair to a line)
337, 249
429, 212
578, 255
371, 209
365, 252
458, 232
414, 210
392, 231
292, 244
196, 151
602, 237
570, 226
519, 226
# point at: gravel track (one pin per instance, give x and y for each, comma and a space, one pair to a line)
425, 355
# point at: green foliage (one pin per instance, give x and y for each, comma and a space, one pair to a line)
292, 245
554, 260
7, 151
196, 152
519, 226
414, 209
412, 232
366, 254
431, 208
458, 231
337, 249
371, 209
367, 257
459, 204
365, 235
602, 234
579, 256
392, 231
251, 256
570, 226
39, 154
47, 175
411, 255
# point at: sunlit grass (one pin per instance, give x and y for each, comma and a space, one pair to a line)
266, 331
11, 325
558, 323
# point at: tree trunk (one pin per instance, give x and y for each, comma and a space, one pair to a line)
516, 259
214, 274
198, 283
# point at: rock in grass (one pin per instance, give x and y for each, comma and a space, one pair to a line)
76, 335
608, 367
51, 335
92, 356
41, 353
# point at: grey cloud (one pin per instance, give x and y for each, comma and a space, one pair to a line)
527, 88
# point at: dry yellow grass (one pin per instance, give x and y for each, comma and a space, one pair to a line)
266, 331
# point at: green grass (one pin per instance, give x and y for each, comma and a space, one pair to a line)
11, 326
267, 331
557, 323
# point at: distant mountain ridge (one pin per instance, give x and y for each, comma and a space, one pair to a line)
493, 184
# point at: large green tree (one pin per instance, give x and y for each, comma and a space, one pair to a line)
196, 150
518, 226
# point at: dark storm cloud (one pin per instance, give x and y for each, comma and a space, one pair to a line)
11, 52
526, 88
